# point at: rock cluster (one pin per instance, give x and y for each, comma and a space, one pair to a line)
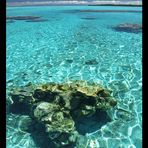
59, 106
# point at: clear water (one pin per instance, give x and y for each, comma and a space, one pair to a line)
38, 52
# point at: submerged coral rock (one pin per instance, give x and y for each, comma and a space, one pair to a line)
127, 27
59, 106
22, 17
91, 62
37, 20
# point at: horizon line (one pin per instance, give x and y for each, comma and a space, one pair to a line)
75, 2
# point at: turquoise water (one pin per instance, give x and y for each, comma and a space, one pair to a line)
58, 49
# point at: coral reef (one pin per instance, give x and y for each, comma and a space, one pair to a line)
89, 18
109, 11
26, 18
99, 11
22, 17
37, 20
59, 106
69, 60
91, 62
127, 27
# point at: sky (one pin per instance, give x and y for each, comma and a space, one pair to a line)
61, 0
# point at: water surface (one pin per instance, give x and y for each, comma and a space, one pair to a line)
72, 43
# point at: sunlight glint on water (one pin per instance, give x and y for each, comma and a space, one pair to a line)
58, 49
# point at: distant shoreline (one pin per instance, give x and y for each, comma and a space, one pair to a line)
68, 3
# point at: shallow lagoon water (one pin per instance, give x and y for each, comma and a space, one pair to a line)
76, 45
